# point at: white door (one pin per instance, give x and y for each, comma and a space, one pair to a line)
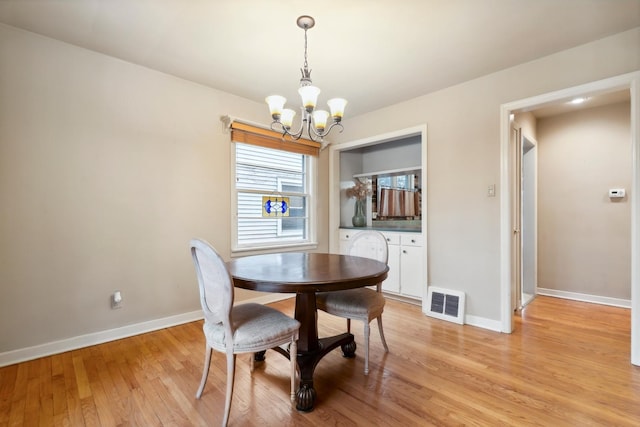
411, 263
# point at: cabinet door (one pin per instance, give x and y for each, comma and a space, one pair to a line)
392, 283
412, 267
345, 238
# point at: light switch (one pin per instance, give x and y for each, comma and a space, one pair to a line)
491, 190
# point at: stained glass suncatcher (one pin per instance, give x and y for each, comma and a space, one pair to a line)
275, 206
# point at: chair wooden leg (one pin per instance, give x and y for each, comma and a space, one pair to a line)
231, 369
205, 371
367, 330
293, 356
349, 325
384, 342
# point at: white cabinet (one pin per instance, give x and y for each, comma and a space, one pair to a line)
345, 236
392, 284
406, 264
411, 265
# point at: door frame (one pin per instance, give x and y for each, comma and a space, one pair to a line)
630, 81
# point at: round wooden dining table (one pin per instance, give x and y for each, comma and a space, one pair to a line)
305, 274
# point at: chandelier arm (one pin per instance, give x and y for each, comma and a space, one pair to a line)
335, 124
276, 129
326, 131
295, 136
306, 123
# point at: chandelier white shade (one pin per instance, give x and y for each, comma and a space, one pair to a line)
315, 122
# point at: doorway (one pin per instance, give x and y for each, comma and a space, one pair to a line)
510, 197
525, 217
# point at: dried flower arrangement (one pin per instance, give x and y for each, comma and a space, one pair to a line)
360, 190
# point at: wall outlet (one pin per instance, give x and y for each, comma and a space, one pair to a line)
116, 300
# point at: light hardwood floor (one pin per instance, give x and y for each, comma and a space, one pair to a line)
567, 364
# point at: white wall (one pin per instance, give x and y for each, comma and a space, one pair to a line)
464, 158
391, 156
584, 241
107, 169
528, 122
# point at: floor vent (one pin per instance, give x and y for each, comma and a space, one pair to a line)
446, 305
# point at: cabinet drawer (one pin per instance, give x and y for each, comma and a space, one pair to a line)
411, 239
392, 239
347, 234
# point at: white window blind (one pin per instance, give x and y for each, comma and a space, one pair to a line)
259, 172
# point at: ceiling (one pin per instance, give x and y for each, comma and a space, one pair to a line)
374, 53
590, 101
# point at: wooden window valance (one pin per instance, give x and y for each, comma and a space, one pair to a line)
248, 134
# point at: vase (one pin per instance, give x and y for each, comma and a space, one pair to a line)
359, 219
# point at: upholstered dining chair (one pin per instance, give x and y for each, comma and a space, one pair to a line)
245, 328
363, 304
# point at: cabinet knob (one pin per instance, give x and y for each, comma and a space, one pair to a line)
413, 241
404, 251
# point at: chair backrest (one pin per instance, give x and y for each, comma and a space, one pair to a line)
369, 244
216, 285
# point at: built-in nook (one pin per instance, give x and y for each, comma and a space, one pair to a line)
393, 173
389, 172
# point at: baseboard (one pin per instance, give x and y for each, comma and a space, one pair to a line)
477, 321
401, 298
268, 298
55, 347
595, 299
495, 325
483, 322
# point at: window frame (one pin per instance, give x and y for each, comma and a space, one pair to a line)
304, 244
280, 231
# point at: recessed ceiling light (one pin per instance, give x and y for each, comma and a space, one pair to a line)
577, 101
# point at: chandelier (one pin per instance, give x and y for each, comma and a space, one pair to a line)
314, 122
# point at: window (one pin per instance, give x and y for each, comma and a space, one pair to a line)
404, 182
261, 172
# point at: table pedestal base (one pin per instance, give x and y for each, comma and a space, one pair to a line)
306, 394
